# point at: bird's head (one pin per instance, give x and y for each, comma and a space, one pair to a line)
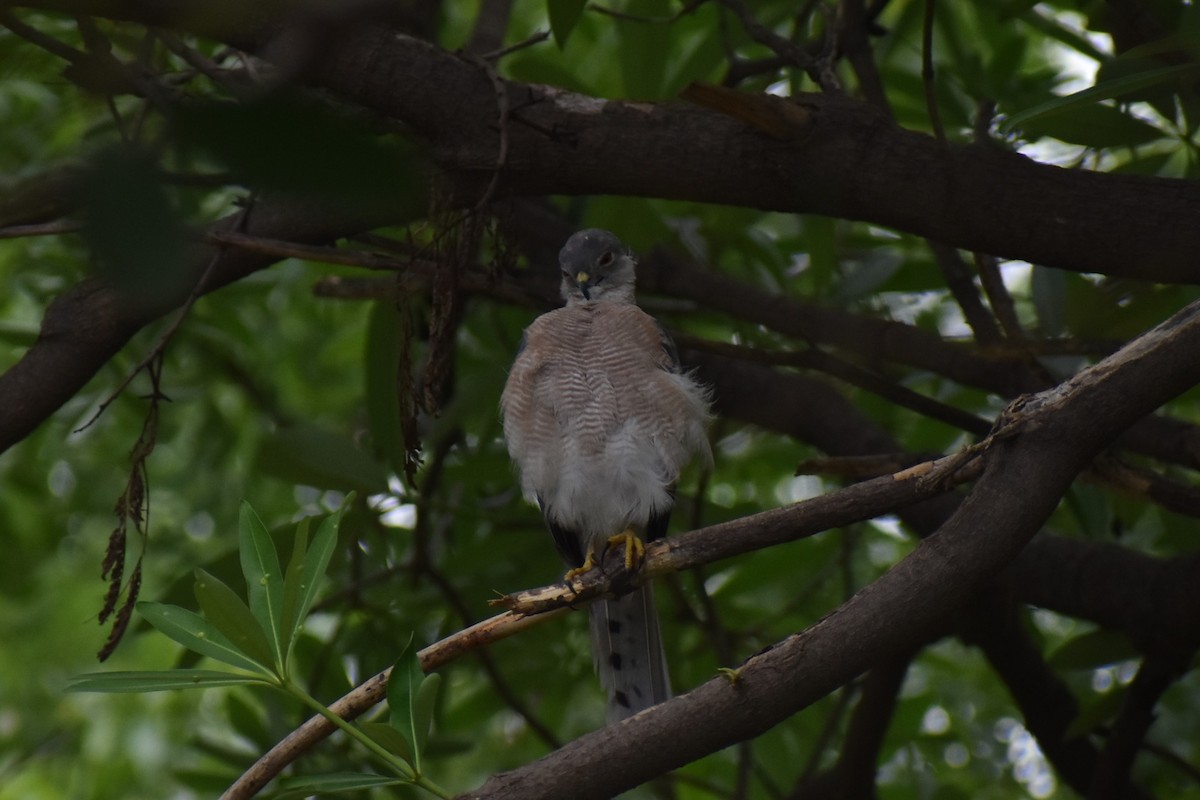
596, 266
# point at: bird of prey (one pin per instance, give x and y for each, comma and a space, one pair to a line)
600, 419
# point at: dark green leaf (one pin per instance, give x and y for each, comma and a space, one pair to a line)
564, 15
224, 609
1105, 90
264, 578
1095, 649
1100, 712
158, 681
402, 695
1093, 126
333, 782
389, 738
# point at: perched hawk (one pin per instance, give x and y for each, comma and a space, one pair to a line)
600, 419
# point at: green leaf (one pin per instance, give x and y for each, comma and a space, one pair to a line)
1098, 713
1094, 126
1104, 90
224, 609
196, 633
333, 782
423, 707
403, 687
316, 560
390, 738
158, 680
564, 15
1094, 649
293, 590
264, 578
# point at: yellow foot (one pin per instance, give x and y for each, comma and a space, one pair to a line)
575, 572
635, 551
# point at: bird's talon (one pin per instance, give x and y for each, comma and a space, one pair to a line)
635, 550
730, 674
589, 563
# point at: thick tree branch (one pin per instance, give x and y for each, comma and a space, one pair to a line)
848, 161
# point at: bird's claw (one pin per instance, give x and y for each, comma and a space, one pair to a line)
588, 564
635, 550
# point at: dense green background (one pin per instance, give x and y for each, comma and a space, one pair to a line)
271, 388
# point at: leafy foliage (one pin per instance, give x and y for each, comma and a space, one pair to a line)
293, 398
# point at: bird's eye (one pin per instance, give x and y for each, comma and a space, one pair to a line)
605, 259
566, 274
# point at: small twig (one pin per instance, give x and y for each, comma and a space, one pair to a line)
785, 48
161, 345
36, 37
536, 38
998, 296
44, 229
626, 16
927, 73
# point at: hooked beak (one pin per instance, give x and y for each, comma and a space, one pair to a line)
581, 280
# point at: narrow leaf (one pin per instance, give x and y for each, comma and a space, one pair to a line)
1105, 90
264, 578
196, 633
423, 706
158, 681
316, 560
224, 609
333, 782
401, 695
293, 579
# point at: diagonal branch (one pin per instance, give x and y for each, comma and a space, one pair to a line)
1054, 436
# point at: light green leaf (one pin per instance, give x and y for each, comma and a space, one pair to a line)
264, 578
158, 680
224, 609
293, 590
316, 561
333, 782
564, 14
196, 633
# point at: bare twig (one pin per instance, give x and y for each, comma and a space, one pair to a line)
536, 38
688, 8
160, 346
